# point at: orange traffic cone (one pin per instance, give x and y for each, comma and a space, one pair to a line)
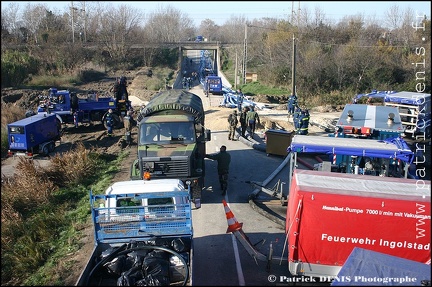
233, 224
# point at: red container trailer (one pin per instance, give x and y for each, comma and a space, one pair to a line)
329, 214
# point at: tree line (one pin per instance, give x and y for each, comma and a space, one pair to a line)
332, 59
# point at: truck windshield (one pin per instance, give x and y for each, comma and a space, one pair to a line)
169, 132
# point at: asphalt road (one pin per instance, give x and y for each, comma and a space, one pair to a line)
219, 257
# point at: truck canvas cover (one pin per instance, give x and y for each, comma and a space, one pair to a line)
175, 99
367, 267
330, 214
388, 148
375, 117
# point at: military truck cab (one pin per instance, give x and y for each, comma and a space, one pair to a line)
172, 140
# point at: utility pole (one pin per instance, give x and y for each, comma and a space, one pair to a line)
293, 86
73, 24
298, 14
292, 12
85, 23
236, 73
245, 55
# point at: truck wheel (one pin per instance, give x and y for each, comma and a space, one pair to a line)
118, 124
51, 147
45, 150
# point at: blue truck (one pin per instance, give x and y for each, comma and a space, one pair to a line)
92, 108
213, 85
34, 135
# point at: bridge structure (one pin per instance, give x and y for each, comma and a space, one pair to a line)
213, 46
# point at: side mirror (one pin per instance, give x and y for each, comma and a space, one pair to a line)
207, 135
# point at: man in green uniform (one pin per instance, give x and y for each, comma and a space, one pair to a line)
223, 159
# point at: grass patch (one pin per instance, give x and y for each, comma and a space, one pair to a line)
256, 88
44, 212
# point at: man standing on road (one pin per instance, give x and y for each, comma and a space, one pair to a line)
128, 123
223, 159
232, 121
252, 119
292, 103
240, 98
243, 123
304, 122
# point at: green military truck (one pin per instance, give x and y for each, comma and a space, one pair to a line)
172, 140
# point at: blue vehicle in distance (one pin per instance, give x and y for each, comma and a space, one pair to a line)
213, 84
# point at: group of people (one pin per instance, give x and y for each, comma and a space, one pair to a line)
128, 123
187, 83
301, 121
121, 94
300, 117
248, 119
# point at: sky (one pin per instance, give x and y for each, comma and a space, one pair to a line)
220, 11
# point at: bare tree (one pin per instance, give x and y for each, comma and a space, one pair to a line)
116, 29
209, 30
10, 21
33, 16
169, 24
393, 17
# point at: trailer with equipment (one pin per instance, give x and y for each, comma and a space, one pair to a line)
369, 122
414, 109
34, 135
143, 235
330, 214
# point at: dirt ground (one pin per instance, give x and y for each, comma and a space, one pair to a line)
95, 136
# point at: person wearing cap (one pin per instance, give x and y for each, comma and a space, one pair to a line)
304, 122
232, 121
109, 122
223, 159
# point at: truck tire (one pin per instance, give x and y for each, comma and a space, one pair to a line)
45, 150
51, 147
74, 101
